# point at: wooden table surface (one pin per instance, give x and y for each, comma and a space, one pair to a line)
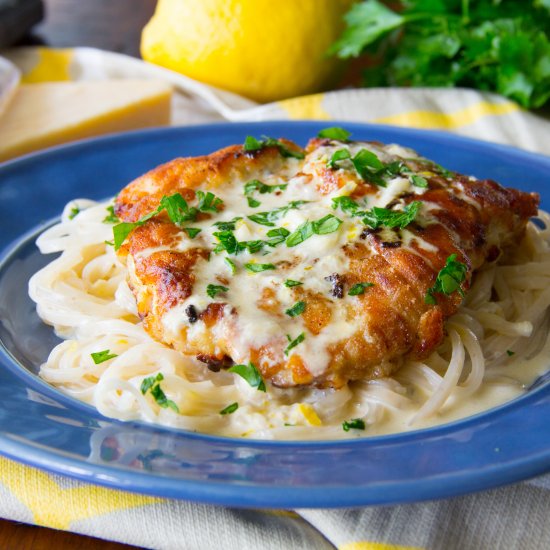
111, 25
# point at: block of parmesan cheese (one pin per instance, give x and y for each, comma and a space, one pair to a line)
42, 115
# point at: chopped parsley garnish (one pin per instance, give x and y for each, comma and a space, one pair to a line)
327, 224
251, 374
337, 156
300, 234
347, 205
419, 181
257, 268
324, 226
177, 209
252, 246
372, 169
214, 290
253, 144
448, 280
231, 265
253, 203
121, 231
335, 132
262, 218
365, 162
228, 242
355, 424
268, 218
263, 188
297, 309
293, 343
208, 202
359, 288
230, 409
277, 236
290, 283
152, 385
111, 217
510, 352
227, 225
75, 211
102, 356
192, 231
376, 216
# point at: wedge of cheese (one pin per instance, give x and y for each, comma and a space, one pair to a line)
42, 115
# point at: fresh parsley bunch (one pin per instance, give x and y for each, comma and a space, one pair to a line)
496, 45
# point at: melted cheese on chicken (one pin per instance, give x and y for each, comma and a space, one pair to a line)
267, 279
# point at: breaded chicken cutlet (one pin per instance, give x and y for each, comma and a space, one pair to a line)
316, 266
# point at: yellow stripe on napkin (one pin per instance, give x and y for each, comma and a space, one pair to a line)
54, 506
448, 121
310, 106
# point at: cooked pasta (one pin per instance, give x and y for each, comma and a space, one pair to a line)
493, 349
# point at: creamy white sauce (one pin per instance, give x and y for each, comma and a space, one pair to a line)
247, 326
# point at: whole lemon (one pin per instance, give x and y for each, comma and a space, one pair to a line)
262, 49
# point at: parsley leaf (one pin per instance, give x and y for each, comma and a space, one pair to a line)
152, 385
227, 241
251, 374
253, 203
192, 231
359, 288
177, 209
111, 217
418, 181
231, 265
300, 234
448, 280
499, 46
338, 156
214, 290
335, 132
75, 211
277, 236
377, 216
297, 309
347, 205
121, 231
230, 409
227, 225
268, 218
262, 188
208, 202
324, 226
327, 224
355, 424
101, 356
290, 283
293, 343
258, 268
365, 162
253, 144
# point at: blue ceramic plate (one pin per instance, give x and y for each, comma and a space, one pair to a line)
41, 427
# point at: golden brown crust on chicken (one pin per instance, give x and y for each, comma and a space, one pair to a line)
360, 336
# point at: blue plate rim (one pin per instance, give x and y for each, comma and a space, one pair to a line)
219, 493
